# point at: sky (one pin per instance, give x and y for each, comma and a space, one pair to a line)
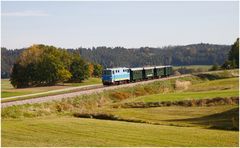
126, 24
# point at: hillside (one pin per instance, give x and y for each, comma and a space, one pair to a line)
195, 54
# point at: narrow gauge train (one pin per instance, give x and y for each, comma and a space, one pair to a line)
126, 75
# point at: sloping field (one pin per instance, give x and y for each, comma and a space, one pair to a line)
69, 131
56, 123
208, 89
186, 96
219, 117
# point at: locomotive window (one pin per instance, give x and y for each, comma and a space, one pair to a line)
107, 72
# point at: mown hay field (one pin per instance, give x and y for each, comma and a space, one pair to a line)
69, 131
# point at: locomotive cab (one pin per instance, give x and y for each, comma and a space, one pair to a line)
107, 77
115, 76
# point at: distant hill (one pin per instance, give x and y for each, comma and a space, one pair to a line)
194, 54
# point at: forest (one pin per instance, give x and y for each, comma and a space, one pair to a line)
194, 54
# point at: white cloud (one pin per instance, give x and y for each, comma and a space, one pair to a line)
25, 13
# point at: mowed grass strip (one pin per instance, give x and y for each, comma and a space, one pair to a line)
9, 91
185, 96
69, 131
220, 117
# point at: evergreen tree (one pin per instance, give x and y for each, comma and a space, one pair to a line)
233, 57
234, 54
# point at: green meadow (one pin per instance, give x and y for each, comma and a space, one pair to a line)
56, 124
70, 131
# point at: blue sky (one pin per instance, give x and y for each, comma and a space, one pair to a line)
127, 24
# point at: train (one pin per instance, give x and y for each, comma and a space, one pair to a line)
122, 75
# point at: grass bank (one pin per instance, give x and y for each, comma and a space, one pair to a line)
70, 131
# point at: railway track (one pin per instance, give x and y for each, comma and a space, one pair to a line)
81, 92
86, 91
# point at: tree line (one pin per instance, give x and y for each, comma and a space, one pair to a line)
41, 65
194, 54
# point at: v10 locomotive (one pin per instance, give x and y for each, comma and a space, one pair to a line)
123, 75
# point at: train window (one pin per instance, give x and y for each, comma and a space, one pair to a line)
118, 70
113, 72
107, 72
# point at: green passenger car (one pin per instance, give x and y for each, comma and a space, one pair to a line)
159, 71
168, 70
148, 72
136, 74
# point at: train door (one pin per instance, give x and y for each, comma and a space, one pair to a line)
113, 76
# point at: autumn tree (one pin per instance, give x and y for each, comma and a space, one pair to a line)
91, 69
97, 72
41, 65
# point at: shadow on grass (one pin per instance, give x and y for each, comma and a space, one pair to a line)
228, 120
209, 76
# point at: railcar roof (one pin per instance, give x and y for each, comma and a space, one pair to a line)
148, 67
117, 68
160, 66
137, 68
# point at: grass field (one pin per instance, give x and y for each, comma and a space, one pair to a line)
205, 67
9, 91
186, 96
54, 123
218, 117
203, 90
69, 131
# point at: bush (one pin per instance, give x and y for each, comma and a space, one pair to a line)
120, 95
214, 67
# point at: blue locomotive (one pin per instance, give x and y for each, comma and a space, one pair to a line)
123, 75
116, 76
